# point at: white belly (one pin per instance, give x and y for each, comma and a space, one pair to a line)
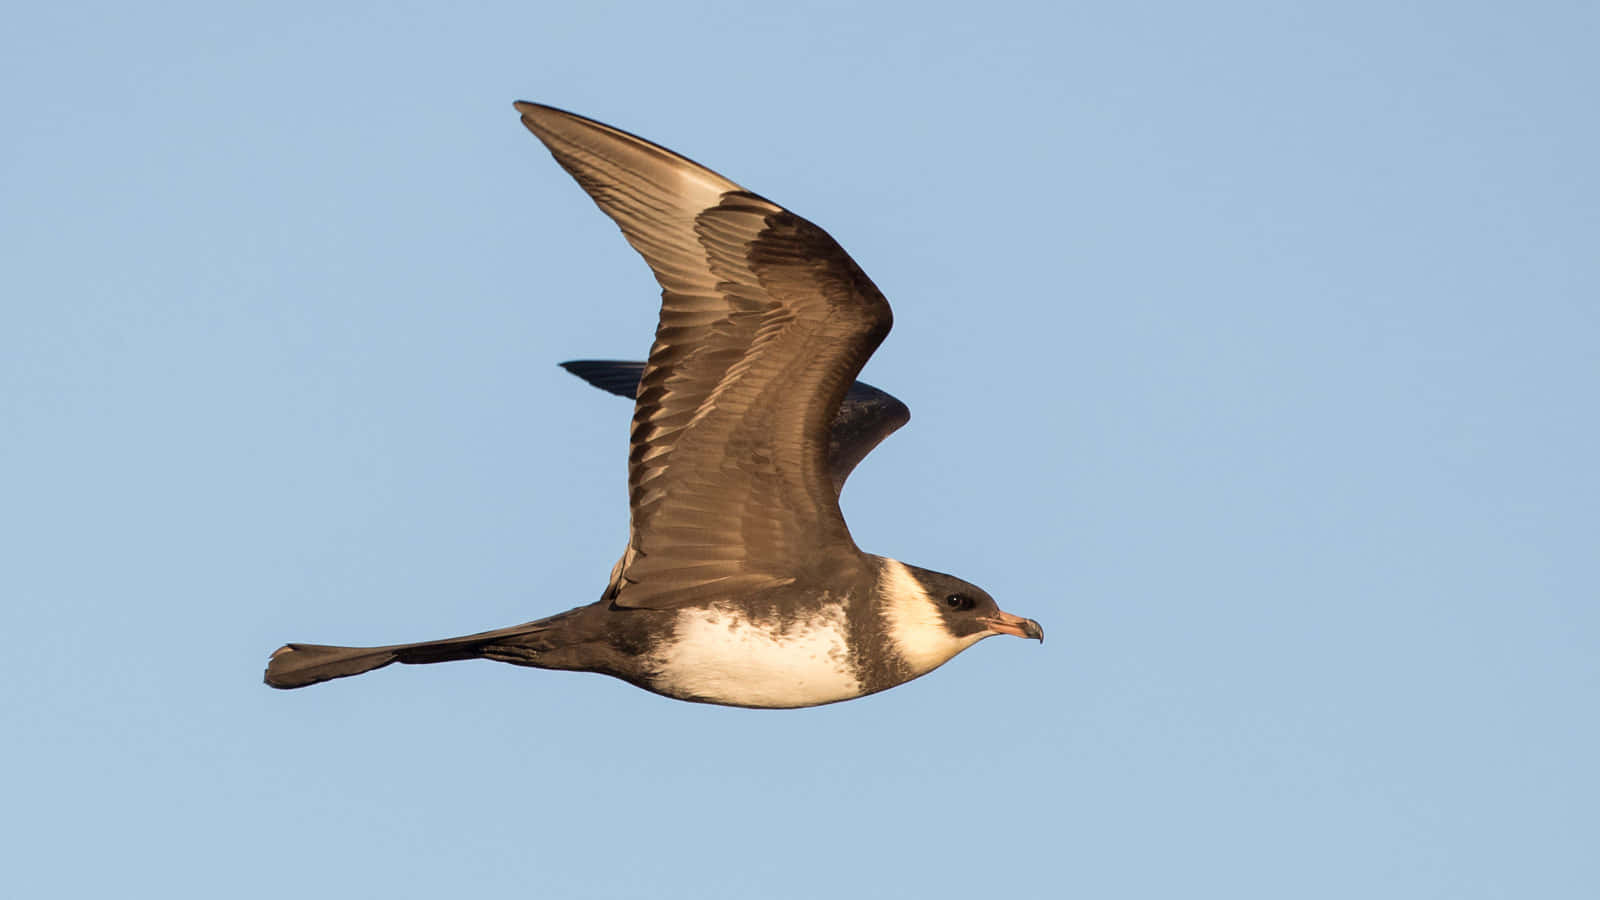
717, 658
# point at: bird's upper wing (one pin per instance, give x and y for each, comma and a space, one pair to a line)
865, 418
765, 322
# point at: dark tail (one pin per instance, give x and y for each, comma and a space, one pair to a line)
297, 665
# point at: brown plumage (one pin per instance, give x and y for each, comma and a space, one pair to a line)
863, 420
740, 583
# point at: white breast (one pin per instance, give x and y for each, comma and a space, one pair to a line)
717, 657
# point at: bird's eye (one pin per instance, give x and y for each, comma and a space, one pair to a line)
958, 601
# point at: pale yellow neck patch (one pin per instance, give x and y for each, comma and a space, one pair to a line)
914, 622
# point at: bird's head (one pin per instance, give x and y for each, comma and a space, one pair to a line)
932, 616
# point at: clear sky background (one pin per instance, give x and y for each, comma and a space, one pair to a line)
1253, 348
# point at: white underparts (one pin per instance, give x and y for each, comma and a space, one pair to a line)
722, 658
914, 623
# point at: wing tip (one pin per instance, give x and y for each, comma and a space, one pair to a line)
614, 376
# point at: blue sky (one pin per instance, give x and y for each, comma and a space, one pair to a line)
1252, 349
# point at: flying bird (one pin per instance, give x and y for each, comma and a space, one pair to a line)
740, 584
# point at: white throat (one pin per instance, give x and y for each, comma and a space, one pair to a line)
914, 622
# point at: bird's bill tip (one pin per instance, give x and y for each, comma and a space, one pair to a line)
1006, 623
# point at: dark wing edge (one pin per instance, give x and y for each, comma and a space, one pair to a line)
614, 376
865, 418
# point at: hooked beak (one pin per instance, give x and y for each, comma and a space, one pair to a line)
1006, 623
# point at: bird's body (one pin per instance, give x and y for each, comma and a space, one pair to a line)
740, 584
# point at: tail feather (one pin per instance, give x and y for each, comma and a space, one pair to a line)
299, 665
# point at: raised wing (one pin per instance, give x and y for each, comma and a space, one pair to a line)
765, 322
865, 418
